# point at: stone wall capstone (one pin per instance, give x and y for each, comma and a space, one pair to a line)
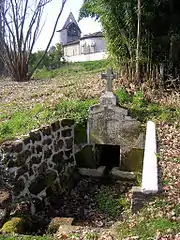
40, 165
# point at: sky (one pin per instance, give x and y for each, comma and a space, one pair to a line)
87, 25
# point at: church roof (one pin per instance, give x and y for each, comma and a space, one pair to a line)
92, 35
70, 19
71, 43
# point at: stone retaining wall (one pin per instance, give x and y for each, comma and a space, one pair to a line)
40, 165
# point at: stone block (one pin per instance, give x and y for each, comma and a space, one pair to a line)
108, 125
117, 174
46, 131
132, 160
85, 158
67, 122
58, 157
68, 153
66, 133
35, 136
50, 177
18, 146
3, 216
47, 141
5, 198
139, 198
38, 149
27, 141
71, 160
80, 134
48, 153
92, 172
11, 164
42, 168
35, 160
108, 98
22, 158
58, 145
57, 222
7, 147
38, 184
22, 170
69, 143
55, 126
19, 186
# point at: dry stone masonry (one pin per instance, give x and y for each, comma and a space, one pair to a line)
40, 165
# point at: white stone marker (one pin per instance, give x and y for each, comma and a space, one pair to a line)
150, 168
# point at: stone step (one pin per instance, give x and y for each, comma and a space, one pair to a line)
92, 172
115, 173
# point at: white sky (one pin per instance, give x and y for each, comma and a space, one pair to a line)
86, 25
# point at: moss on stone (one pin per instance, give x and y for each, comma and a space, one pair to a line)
14, 225
57, 222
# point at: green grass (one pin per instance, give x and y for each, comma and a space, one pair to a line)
21, 237
146, 229
110, 202
73, 68
144, 111
22, 121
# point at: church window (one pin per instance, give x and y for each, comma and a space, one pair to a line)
92, 47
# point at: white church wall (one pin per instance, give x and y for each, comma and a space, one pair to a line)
72, 50
99, 44
87, 57
63, 36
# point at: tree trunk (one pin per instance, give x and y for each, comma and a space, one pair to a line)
138, 41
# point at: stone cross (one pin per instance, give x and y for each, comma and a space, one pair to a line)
109, 76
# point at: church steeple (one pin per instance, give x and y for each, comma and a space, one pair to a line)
70, 19
70, 31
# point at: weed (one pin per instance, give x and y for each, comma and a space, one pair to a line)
139, 99
123, 96
109, 202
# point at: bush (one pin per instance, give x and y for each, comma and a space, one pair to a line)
123, 96
139, 99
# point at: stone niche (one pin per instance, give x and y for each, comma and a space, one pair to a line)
110, 125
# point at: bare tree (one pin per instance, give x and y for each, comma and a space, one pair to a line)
22, 24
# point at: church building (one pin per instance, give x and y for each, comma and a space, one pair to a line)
78, 48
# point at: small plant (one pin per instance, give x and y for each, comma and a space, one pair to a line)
139, 99
109, 202
123, 96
